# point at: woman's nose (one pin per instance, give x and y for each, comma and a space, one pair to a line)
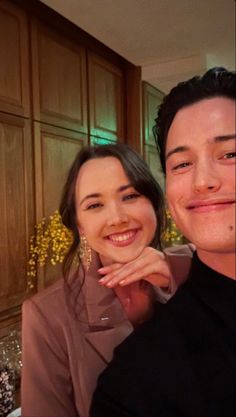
116, 215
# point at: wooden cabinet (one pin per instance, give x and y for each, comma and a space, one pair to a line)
14, 59
55, 150
106, 99
59, 90
16, 212
152, 98
59, 79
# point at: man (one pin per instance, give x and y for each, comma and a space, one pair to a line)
182, 363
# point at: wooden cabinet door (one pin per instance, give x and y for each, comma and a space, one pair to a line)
14, 60
16, 212
106, 99
59, 80
152, 98
55, 150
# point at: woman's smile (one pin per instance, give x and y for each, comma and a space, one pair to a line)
122, 239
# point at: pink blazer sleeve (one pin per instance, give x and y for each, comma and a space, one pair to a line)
179, 258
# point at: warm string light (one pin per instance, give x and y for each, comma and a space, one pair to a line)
171, 235
50, 241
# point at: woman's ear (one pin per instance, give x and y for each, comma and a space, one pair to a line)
80, 229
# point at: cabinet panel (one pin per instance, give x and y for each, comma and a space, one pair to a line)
14, 56
59, 80
152, 98
16, 209
106, 99
55, 151
153, 160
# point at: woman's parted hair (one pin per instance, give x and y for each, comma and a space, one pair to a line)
137, 172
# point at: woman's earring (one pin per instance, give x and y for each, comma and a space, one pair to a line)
85, 252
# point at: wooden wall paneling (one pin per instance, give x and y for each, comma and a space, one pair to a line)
59, 79
106, 99
153, 160
151, 99
14, 58
95, 140
16, 211
55, 150
134, 108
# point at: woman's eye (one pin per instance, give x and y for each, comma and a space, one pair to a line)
132, 196
93, 206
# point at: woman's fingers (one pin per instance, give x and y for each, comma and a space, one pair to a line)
110, 268
150, 266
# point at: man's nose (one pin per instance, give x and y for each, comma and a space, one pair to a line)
206, 178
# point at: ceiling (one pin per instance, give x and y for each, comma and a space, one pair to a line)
170, 39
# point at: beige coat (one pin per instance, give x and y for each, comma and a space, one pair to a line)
62, 353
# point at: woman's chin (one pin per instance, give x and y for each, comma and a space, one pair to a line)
121, 258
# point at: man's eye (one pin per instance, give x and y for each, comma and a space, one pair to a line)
229, 155
132, 196
182, 165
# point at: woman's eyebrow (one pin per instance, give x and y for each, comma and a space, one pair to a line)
94, 195
124, 187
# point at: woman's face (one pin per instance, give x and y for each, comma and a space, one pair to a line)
117, 221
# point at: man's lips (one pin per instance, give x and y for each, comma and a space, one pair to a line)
122, 238
209, 205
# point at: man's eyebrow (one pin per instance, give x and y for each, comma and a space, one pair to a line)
177, 150
223, 138
96, 195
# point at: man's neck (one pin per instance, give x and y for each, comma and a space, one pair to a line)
224, 263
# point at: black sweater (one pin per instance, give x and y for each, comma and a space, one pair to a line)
182, 363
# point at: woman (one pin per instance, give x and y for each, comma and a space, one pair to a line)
115, 210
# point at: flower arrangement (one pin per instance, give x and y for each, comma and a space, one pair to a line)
51, 239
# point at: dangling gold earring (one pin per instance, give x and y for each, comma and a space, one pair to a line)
85, 252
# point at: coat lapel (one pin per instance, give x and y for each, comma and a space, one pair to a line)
107, 323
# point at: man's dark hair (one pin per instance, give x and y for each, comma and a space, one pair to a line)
216, 82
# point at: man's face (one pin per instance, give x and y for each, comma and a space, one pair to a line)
200, 173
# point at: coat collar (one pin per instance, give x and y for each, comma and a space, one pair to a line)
105, 321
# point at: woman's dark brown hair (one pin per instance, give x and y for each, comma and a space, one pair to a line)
137, 172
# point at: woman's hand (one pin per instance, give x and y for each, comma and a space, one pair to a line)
150, 266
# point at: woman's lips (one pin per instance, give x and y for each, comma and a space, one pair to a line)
122, 239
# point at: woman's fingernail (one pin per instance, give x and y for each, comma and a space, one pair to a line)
122, 282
